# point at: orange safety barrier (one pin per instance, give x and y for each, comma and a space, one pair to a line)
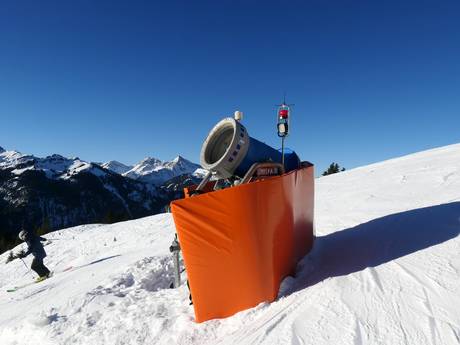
239, 243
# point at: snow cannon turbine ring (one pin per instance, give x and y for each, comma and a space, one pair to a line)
225, 147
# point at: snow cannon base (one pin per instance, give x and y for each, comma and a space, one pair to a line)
239, 243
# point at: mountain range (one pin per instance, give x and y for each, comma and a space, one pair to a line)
384, 269
53, 192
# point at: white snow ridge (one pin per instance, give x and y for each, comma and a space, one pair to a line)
153, 170
117, 167
384, 270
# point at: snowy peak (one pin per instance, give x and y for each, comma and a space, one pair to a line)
153, 170
180, 164
116, 167
150, 170
55, 163
148, 164
54, 166
144, 167
180, 159
12, 159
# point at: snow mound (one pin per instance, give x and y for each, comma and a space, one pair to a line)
384, 270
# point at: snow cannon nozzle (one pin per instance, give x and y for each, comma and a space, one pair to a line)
225, 147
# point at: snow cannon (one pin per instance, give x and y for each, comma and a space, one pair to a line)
230, 151
242, 232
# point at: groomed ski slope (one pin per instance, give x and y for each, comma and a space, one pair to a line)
384, 270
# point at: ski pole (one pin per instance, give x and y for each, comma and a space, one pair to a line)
28, 269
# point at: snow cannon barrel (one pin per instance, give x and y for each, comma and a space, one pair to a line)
229, 150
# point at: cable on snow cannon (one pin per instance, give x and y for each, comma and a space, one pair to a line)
244, 231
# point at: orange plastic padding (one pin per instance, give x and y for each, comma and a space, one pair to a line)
239, 243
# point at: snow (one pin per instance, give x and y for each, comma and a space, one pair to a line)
117, 167
149, 170
10, 159
146, 166
200, 173
21, 171
153, 170
54, 166
56, 163
384, 270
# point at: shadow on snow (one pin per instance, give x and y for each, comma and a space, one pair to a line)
376, 242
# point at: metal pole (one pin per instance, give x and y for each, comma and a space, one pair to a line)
175, 249
176, 269
204, 181
282, 150
27, 267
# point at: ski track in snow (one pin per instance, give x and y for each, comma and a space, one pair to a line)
384, 270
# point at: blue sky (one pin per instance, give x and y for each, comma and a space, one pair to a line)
128, 79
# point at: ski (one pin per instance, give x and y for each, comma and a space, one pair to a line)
16, 288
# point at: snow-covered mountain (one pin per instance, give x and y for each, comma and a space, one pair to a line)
52, 194
54, 166
11, 159
55, 191
384, 270
149, 170
117, 167
155, 171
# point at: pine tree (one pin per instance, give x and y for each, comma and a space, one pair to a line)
10, 257
44, 228
333, 168
3, 245
109, 218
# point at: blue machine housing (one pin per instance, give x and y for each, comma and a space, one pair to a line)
260, 152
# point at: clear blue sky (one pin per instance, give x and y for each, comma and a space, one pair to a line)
123, 80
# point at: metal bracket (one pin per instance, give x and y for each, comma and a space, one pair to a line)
204, 181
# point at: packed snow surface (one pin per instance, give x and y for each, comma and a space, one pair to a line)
384, 270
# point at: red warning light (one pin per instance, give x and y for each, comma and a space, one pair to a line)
283, 113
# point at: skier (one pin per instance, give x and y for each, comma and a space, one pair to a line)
35, 248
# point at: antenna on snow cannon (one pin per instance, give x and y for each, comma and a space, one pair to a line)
283, 123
